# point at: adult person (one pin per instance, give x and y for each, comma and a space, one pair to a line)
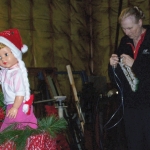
134, 51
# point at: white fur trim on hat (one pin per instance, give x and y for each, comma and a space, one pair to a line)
17, 53
24, 48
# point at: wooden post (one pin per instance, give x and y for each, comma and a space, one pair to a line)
77, 102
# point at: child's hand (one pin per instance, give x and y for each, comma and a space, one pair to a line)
12, 112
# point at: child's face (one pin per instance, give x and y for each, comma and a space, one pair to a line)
7, 59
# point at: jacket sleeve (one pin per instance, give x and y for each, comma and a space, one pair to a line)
141, 66
114, 72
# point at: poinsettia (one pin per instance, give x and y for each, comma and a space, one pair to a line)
51, 110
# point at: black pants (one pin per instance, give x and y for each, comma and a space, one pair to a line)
137, 128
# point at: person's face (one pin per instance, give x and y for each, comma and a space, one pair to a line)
131, 28
7, 59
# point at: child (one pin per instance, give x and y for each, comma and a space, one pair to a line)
14, 81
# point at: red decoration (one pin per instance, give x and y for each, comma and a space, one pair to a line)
51, 110
2, 113
62, 143
39, 142
8, 146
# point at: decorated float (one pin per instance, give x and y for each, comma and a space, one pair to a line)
45, 137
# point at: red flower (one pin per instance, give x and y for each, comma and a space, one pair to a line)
62, 143
51, 110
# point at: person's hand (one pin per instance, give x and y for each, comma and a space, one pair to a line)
127, 60
114, 60
12, 112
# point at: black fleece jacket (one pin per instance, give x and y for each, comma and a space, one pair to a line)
140, 67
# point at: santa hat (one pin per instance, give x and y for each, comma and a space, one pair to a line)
12, 39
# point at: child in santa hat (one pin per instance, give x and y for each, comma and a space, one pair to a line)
14, 81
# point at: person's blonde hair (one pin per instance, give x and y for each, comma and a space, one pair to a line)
131, 11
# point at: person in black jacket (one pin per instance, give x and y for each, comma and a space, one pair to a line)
133, 54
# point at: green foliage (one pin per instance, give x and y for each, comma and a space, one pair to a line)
1, 100
51, 125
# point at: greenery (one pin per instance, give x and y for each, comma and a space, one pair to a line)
1, 100
51, 125
2, 107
